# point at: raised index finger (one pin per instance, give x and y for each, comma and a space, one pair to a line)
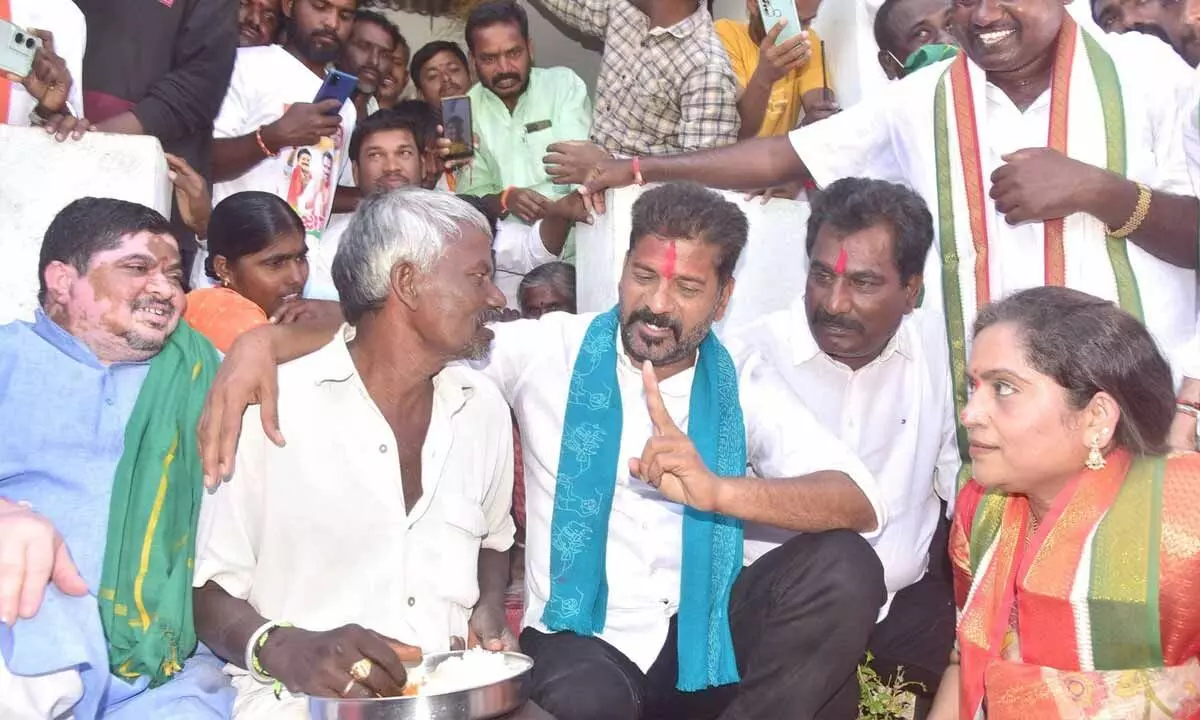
659, 417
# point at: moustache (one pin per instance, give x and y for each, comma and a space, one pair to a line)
506, 76
820, 317
644, 315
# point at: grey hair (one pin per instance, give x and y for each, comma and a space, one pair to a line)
557, 274
407, 225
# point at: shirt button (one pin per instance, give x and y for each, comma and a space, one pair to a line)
412, 601
109, 401
383, 448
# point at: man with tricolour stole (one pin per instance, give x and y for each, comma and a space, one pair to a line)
100, 479
1049, 154
638, 427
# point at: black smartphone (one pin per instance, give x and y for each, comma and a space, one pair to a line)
337, 86
457, 126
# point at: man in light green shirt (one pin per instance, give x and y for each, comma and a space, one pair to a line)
518, 111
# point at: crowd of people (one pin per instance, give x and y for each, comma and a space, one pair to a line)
339, 409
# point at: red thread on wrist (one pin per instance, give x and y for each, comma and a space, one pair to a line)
262, 144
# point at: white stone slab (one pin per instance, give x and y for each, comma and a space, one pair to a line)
41, 176
770, 274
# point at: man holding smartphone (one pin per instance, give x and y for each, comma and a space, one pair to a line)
270, 134
519, 110
780, 77
52, 89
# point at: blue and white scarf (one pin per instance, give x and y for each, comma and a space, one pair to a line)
589, 461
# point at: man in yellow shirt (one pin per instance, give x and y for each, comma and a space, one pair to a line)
777, 80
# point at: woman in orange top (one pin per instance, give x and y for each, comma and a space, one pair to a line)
258, 258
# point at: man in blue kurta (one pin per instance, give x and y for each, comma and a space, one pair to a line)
100, 482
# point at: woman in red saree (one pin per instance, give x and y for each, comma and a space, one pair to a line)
258, 257
1076, 545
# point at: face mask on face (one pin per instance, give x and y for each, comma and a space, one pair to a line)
928, 55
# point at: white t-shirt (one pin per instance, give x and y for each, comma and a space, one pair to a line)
896, 414
266, 82
65, 21
532, 361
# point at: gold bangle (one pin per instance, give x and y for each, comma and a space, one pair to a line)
1140, 212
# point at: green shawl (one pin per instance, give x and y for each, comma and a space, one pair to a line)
146, 586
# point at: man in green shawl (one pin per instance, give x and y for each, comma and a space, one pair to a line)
100, 480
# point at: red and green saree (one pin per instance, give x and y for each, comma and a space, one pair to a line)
1097, 613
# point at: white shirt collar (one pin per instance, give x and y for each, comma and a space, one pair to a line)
335, 365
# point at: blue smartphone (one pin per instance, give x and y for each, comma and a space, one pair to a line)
337, 86
775, 10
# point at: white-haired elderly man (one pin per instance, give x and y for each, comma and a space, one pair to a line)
381, 530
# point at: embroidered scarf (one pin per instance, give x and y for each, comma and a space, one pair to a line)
1087, 123
1097, 593
589, 462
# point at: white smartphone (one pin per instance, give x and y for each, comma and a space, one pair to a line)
775, 10
17, 48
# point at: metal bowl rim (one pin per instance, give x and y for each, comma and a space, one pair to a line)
439, 657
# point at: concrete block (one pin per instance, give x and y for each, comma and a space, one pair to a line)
42, 176
770, 274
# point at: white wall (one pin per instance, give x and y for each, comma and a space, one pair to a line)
42, 176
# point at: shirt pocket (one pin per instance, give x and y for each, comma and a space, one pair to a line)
462, 532
652, 94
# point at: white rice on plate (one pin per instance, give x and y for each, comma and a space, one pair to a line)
472, 669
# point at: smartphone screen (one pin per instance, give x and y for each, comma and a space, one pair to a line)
17, 48
775, 10
457, 126
337, 86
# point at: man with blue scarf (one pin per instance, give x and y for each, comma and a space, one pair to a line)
639, 430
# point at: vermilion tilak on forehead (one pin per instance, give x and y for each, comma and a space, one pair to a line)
669, 258
840, 266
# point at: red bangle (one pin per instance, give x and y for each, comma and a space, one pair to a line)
637, 171
504, 200
1194, 404
262, 145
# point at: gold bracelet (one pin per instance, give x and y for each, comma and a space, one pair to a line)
1140, 212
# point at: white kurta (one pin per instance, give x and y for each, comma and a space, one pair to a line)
532, 362
316, 533
891, 137
896, 414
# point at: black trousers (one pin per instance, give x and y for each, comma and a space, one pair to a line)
918, 632
800, 618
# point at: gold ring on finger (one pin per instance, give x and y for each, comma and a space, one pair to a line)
361, 670
349, 686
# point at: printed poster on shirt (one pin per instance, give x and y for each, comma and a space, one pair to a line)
309, 179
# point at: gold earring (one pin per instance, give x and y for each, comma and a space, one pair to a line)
1095, 460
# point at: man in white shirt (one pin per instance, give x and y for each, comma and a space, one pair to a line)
408, 548
1015, 211
853, 348
269, 136
621, 612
